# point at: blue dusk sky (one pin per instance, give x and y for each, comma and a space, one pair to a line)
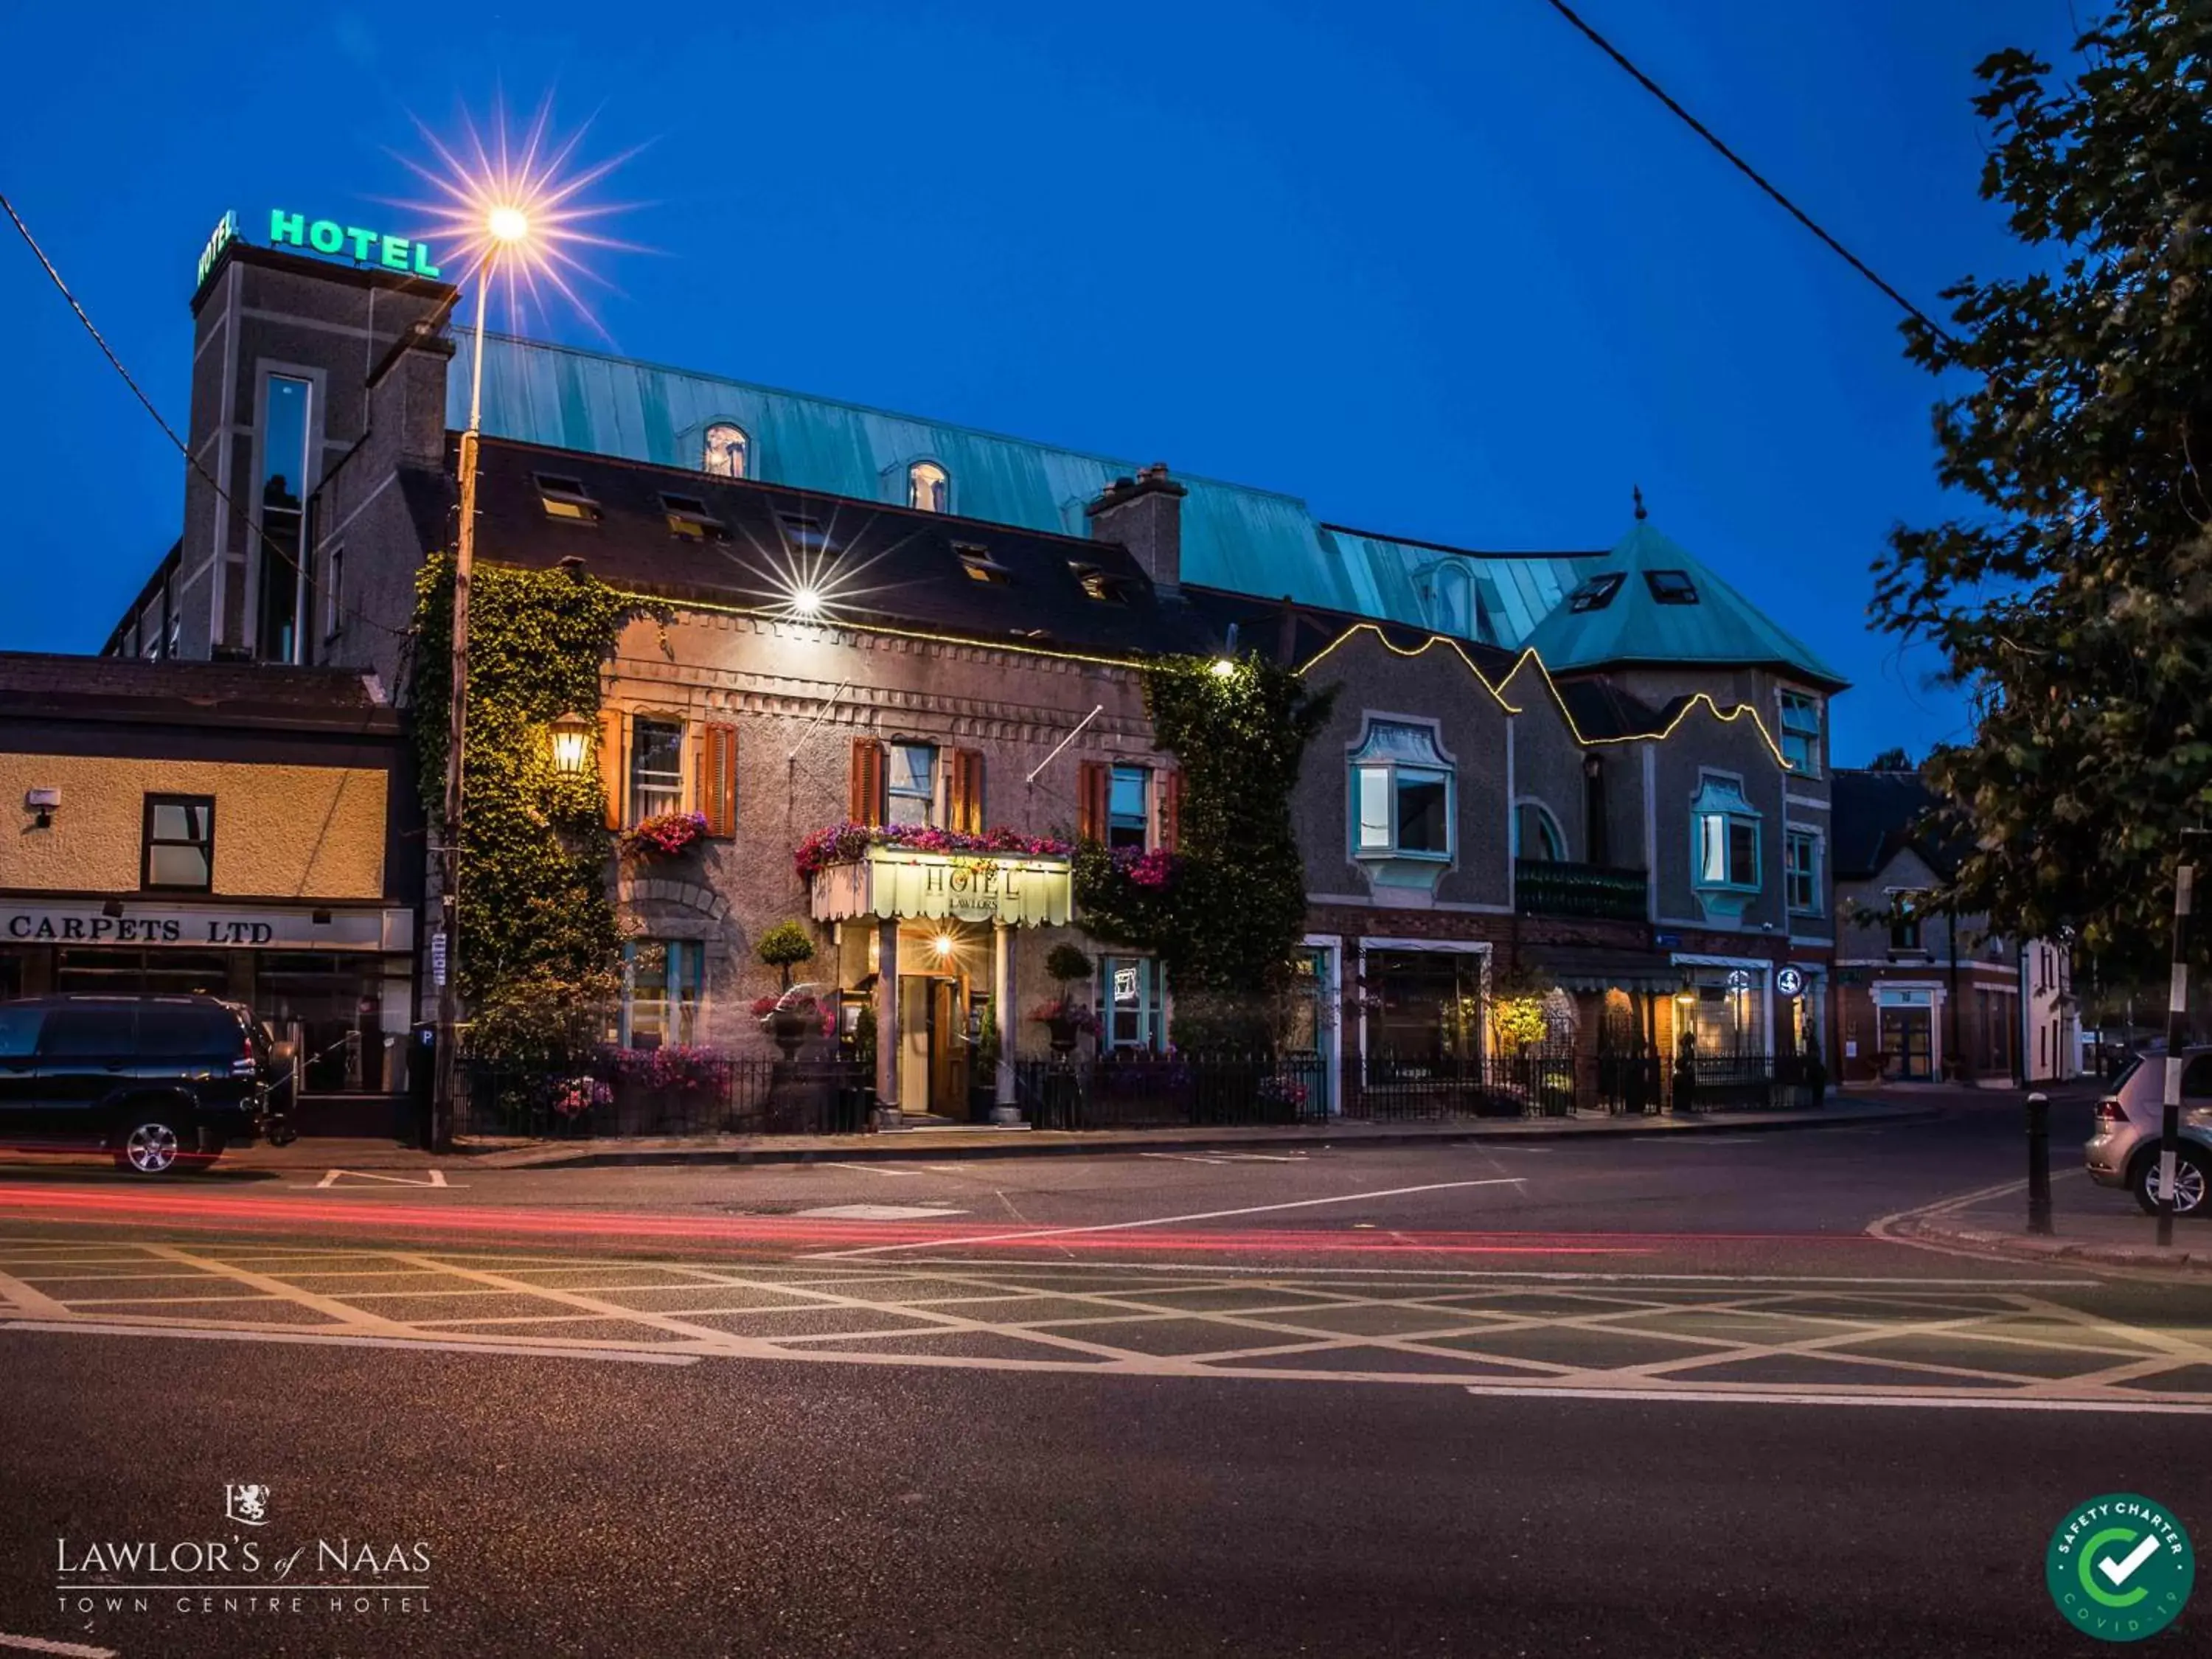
1442, 270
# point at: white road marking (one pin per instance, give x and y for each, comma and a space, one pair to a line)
1505, 1273
1183, 1158
436, 1178
1947, 1399
872, 1169
877, 1212
339, 1340
39, 1644
1168, 1220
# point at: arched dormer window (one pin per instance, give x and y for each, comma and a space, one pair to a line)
726, 452
928, 488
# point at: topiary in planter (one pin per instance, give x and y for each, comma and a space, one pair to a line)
783, 946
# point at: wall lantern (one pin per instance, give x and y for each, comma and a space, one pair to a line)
572, 739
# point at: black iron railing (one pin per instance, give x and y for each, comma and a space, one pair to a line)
668, 1092
1548, 887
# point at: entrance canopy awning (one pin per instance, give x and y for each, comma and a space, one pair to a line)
1594, 968
894, 883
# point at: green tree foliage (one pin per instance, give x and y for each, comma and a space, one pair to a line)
539, 950
2074, 598
1227, 928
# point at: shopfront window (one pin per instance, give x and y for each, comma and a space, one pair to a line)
1724, 1009
1422, 1007
1129, 1014
656, 768
913, 783
1402, 791
179, 850
663, 985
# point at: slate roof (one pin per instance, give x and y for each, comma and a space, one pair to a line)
1234, 538
1722, 629
1878, 814
1603, 709
870, 562
49, 686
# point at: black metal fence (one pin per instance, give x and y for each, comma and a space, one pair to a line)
690, 1091
669, 1092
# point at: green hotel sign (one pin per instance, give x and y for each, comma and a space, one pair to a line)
367, 247
376, 249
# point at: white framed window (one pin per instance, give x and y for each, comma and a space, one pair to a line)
1800, 872
928, 488
1402, 789
1801, 731
911, 783
726, 452
1536, 833
656, 766
1724, 838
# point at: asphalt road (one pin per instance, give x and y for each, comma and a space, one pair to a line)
1624, 1398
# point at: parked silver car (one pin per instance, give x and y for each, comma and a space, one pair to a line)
2122, 1149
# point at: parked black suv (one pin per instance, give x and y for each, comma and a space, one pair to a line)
163, 1082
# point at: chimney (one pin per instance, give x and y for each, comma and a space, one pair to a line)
1144, 515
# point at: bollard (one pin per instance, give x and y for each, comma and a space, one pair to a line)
2038, 1164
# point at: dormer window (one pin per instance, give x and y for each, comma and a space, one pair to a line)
566, 498
1671, 586
1596, 592
688, 517
802, 530
1097, 584
977, 564
726, 452
928, 488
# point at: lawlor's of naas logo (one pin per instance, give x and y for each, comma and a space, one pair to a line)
247, 1505
2119, 1567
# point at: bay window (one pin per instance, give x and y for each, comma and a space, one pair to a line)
1401, 794
1724, 867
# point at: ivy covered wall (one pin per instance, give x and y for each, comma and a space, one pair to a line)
538, 949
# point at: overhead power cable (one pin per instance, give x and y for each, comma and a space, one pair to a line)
1750, 171
168, 431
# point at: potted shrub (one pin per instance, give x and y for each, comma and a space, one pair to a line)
1063, 1016
783, 947
984, 1067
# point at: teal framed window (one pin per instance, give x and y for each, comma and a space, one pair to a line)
1128, 802
1131, 1015
1724, 851
1403, 794
1801, 731
663, 986
1800, 872
911, 783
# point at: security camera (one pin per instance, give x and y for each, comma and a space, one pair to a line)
1766, 926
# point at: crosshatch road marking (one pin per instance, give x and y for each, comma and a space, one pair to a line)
1623, 1335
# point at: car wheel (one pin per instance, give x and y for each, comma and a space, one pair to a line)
2192, 1179
149, 1143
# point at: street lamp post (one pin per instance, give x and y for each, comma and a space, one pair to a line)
505, 227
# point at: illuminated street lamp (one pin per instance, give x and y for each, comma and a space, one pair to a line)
571, 738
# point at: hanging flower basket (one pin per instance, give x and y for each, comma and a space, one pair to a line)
663, 835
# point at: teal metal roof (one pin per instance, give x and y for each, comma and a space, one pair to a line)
1635, 626
1252, 541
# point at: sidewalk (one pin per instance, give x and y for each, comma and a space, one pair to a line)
963, 1142
2089, 1224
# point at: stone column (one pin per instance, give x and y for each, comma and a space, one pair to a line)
888, 1035
1002, 1109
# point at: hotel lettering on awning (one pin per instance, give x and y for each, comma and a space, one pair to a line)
894, 884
